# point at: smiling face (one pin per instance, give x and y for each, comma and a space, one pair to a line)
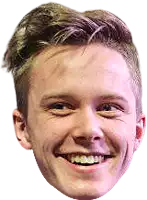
81, 102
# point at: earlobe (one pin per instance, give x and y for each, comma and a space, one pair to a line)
137, 144
21, 130
25, 144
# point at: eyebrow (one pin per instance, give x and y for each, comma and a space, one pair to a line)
67, 96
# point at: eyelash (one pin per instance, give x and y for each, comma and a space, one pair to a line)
51, 106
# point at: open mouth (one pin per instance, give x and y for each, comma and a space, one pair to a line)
86, 160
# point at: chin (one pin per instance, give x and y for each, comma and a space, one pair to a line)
84, 196
83, 193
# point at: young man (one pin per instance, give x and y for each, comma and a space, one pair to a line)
78, 88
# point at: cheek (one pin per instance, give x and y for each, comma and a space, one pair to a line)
121, 136
50, 132
125, 140
58, 126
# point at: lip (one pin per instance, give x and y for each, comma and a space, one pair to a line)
87, 169
68, 155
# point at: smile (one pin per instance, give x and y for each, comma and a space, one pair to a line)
86, 160
83, 163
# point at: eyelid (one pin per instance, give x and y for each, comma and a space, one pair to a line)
116, 105
60, 112
60, 103
70, 107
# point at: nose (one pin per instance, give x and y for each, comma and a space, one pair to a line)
88, 127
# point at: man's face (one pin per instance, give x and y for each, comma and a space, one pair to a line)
81, 108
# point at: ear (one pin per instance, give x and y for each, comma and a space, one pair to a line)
21, 130
140, 130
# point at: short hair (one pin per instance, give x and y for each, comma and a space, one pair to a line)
53, 24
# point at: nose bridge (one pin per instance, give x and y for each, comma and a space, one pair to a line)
89, 124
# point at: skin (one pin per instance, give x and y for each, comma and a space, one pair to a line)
85, 121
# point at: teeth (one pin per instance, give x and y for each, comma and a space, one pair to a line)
97, 158
72, 159
90, 159
77, 159
101, 158
85, 159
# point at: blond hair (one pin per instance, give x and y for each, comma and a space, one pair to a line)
53, 24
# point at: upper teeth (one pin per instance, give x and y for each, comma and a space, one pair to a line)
85, 159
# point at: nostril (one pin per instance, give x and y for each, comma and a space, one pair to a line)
88, 138
81, 138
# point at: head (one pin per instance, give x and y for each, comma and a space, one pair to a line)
78, 89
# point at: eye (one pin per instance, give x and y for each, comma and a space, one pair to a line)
58, 106
60, 109
108, 107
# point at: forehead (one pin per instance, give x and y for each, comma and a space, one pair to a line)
93, 67
65, 58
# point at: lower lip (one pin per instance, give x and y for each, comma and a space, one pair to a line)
87, 169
